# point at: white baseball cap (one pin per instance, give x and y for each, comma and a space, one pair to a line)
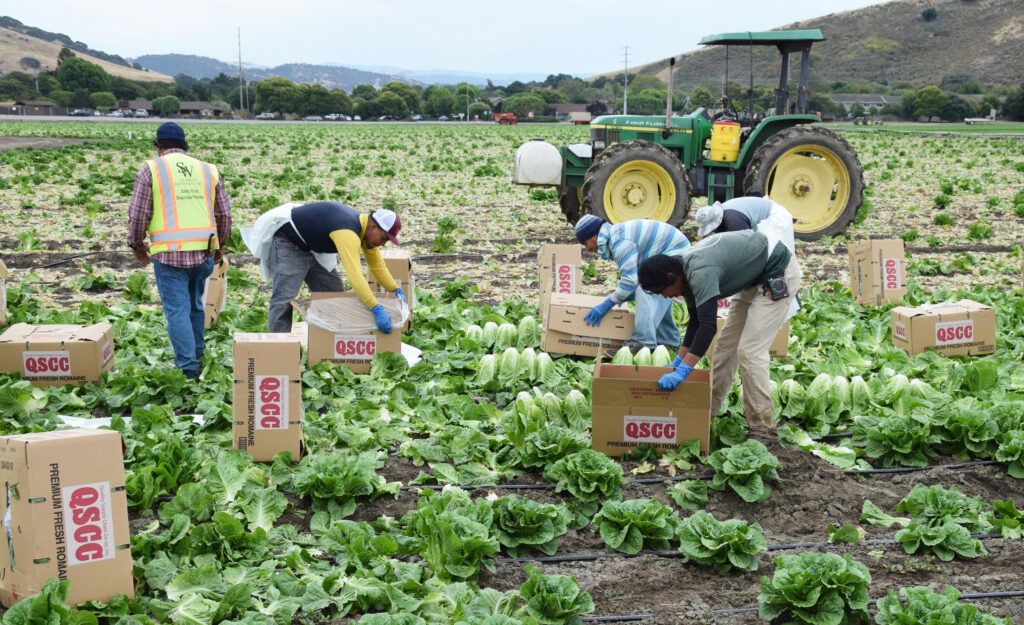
388, 222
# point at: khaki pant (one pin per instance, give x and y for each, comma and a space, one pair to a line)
753, 321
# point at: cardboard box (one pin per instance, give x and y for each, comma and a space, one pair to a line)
780, 344
399, 264
356, 348
64, 514
52, 355
565, 332
630, 410
964, 328
215, 292
267, 395
3, 293
878, 271
560, 271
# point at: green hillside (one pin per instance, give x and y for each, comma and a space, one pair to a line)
887, 43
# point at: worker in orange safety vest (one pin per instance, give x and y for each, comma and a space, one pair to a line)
180, 203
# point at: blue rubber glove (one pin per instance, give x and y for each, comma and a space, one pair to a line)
670, 381
593, 318
382, 318
401, 293
676, 362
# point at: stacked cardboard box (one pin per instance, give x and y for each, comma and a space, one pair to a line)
964, 328
565, 331
877, 271
3, 293
215, 292
628, 409
560, 271
267, 395
64, 514
53, 355
354, 349
399, 264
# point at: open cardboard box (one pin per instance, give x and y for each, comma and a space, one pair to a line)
565, 332
628, 409
354, 349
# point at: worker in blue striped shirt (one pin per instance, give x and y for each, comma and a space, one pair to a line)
629, 244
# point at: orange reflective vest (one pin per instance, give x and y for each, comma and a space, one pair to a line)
183, 198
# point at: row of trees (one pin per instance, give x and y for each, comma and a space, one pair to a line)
79, 83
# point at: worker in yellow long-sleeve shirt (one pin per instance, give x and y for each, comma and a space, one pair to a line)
302, 250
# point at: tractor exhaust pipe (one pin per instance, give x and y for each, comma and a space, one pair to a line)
665, 134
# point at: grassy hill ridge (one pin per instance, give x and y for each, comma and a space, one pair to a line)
885, 43
20, 52
330, 76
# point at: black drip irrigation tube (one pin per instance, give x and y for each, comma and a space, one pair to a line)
650, 480
977, 595
589, 557
681, 478
644, 617
83, 255
708, 476
959, 465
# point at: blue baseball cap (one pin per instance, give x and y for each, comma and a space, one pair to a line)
170, 130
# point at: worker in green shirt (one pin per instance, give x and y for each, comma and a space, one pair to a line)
764, 276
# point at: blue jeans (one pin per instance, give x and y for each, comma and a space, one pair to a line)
181, 293
653, 323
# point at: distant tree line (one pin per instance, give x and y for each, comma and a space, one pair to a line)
79, 83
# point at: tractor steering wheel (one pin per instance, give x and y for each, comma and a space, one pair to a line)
728, 110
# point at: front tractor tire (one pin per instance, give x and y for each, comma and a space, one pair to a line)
569, 200
637, 180
815, 174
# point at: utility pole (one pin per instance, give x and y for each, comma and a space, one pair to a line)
625, 81
241, 81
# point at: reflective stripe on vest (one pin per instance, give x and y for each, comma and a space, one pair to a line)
183, 214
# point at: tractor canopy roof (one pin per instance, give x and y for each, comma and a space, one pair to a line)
782, 38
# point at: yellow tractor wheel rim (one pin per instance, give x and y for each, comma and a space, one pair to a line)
813, 184
639, 190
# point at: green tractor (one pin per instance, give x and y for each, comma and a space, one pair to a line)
649, 167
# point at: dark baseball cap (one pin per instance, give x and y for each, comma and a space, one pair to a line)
170, 130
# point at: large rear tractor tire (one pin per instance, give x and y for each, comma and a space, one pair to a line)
815, 174
569, 200
637, 180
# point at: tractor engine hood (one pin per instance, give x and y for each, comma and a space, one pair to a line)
649, 123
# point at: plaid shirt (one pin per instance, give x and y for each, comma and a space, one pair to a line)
140, 211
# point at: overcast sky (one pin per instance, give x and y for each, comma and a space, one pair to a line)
581, 38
